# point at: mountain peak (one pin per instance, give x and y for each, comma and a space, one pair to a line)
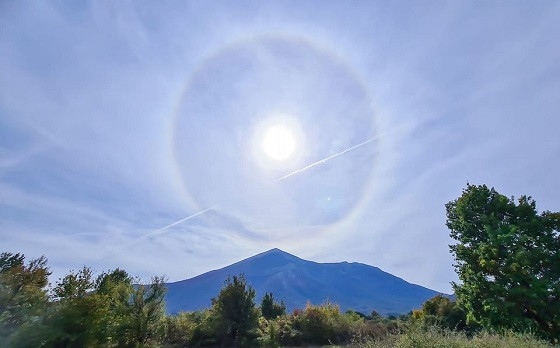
275, 252
296, 281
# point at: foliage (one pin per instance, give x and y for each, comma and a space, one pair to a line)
115, 289
188, 329
325, 324
235, 311
106, 311
147, 311
23, 297
374, 315
279, 332
78, 316
94, 312
441, 311
271, 309
320, 324
435, 337
508, 261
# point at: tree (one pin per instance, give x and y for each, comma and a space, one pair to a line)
508, 260
271, 309
106, 311
115, 288
147, 310
235, 310
80, 316
23, 295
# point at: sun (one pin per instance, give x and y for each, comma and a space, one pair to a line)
278, 142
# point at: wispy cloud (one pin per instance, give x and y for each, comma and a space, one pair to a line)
89, 103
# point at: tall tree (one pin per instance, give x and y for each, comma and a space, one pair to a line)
236, 312
147, 310
508, 260
23, 294
115, 288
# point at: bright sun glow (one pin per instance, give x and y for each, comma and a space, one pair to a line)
279, 142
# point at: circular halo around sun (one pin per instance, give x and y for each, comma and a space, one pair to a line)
255, 120
278, 142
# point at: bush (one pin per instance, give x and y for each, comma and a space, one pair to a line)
191, 329
442, 312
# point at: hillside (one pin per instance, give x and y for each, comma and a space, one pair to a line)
295, 281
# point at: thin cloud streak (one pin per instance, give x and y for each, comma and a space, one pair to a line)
180, 221
98, 102
160, 230
330, 157
278, 180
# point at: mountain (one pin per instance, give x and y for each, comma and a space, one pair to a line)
295, 281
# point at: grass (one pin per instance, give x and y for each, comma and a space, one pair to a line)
435, 338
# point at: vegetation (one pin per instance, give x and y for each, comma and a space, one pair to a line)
79, 311
434, 337
508, 261
506, 256
23, 297
235, 312
271, 309
440, 311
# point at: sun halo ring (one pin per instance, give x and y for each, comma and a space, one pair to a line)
248, 42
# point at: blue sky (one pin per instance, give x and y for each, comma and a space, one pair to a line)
118, 119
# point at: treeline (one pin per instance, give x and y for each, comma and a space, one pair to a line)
234, 319
79, 311
83, 310
109, 310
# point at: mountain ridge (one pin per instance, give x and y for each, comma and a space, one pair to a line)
296, 281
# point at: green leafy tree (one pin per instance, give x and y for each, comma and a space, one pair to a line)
79, 316
235, 310
115, 288
508, 260
107, 311
147, 311
271, 309
23, 297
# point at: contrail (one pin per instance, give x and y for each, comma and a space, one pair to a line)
136, 240
182, 220
330, 157
280, 179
